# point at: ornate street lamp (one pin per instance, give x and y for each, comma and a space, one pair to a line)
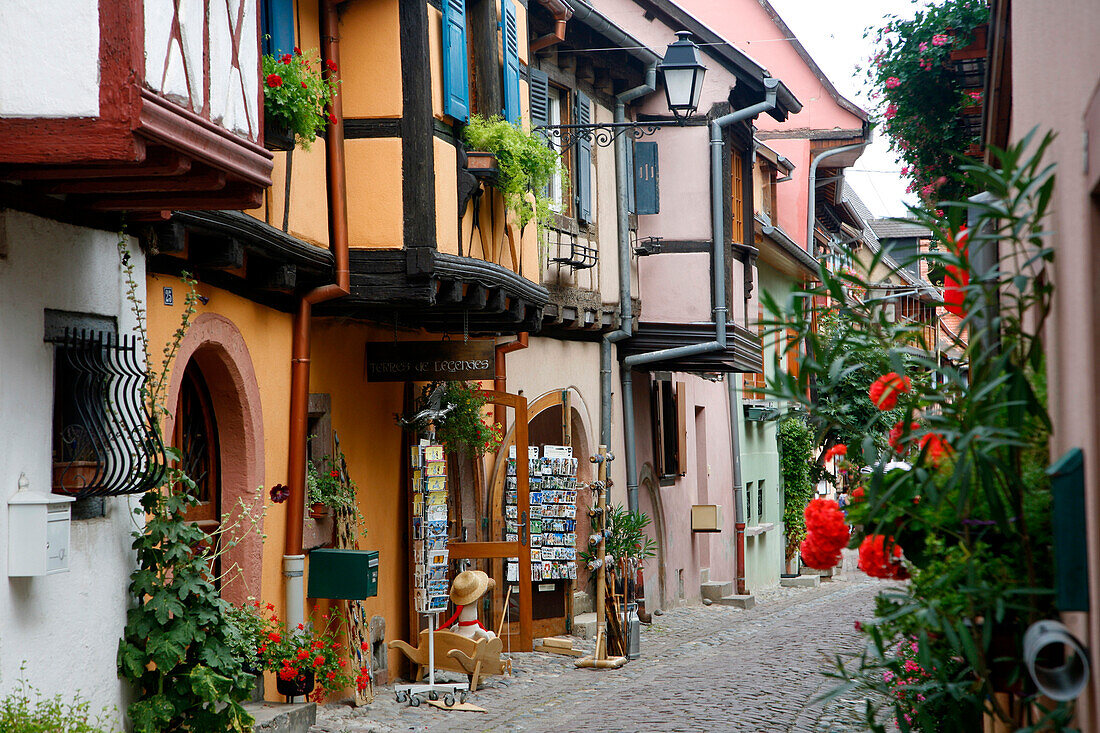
683, 72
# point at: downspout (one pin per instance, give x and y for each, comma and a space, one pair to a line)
810, 209
718, 284
626, 303
293, 559
562, 13
500, 382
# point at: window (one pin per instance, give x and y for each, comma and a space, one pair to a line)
277, 26
753, 383
196, 438
554, 109
669, 437
737, 197
760, 501
748, 503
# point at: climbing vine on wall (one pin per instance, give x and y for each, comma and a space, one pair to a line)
796, 444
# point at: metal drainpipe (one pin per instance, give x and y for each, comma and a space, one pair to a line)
718, 285
813, 188
293, 559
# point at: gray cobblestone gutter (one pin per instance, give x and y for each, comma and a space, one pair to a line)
703, 668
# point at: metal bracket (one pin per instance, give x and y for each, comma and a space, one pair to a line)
603, 134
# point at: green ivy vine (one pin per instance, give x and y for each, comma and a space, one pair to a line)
796, 444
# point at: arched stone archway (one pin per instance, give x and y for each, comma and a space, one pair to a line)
215, 345
652, 497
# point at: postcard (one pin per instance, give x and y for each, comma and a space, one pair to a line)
434, 453
435, 468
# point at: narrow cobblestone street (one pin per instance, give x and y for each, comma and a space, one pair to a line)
703, 668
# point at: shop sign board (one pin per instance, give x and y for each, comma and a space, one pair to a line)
426, 361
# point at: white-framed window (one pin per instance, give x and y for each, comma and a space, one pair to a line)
554, 115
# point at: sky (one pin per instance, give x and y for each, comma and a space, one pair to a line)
832, 32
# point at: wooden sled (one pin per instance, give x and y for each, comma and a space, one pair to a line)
456, 653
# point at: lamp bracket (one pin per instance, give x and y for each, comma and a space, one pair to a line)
603, 134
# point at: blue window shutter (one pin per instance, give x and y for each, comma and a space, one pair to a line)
456, 85
538, 85
647, 198
277, 21
630, 176
584, 161
510, 36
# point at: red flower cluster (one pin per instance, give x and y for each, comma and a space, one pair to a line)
826, 534
884, 391
835, 452
880, 557
331, 65
937, 447
274, 81
897, 432
858, 494
363, 679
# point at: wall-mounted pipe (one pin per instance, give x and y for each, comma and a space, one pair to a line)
738, 490
562, 13
336, 180
810, 209
718, 282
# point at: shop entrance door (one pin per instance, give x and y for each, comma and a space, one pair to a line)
496, 554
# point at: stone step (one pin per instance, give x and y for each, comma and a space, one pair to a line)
714, 590
281, 717
745, 602
704, 575
584, 625
801, 581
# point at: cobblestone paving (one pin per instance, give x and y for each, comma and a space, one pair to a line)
703, 668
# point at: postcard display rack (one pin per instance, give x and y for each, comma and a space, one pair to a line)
553, 526
430, 561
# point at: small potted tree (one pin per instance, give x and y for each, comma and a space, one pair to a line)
297, 94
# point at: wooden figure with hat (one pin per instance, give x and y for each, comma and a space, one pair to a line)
467, 588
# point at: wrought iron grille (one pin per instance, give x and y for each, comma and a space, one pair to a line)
108, 446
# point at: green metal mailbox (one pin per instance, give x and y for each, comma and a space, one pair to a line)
343, 574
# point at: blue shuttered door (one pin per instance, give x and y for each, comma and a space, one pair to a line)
277, 26
647, 199
584, 161
456, 85
510, 37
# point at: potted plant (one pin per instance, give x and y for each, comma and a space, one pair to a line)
309, 660
247, 632
326, 489
297, 93
524, 163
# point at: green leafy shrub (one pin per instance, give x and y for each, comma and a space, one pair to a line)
464, 428
796, 445
325, 484
26, 711
525, 161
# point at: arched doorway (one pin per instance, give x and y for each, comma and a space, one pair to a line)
215, 417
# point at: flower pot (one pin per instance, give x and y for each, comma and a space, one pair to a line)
74, 476
301, 685
318, 510
482, 164
277, 136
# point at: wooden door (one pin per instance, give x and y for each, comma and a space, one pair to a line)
196, 438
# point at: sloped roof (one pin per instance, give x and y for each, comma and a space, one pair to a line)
893, 229
871, 239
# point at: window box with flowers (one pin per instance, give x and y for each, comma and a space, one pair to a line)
297, 93
326, 488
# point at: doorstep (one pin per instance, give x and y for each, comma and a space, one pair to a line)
281, 717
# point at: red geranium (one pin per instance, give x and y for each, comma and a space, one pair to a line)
896, 433
825, 523
835, 451
814, 555
957, 278
274, 81
885, 390
331, 65
880, 557
936, 445
857, 494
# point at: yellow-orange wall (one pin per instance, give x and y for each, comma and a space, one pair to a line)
370, 54
362, 416
375, 208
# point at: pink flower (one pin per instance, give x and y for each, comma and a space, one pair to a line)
911, 666
940, 39
891, 111
905, 170
926, 191
923, 46
893, 82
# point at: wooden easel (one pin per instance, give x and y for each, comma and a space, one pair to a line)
599, 658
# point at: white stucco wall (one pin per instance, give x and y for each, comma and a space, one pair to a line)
65, 627
51, 58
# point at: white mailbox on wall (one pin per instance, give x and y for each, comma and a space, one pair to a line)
38, 532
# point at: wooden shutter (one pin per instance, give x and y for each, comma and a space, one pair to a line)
737, 198
277, 26
538, 85
510, 37
646, 192
456, 83
584, 161
681, 428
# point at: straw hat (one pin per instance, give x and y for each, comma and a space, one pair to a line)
470, 585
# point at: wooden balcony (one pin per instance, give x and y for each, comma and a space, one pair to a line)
167, 124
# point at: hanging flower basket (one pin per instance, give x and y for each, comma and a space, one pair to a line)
277, 136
